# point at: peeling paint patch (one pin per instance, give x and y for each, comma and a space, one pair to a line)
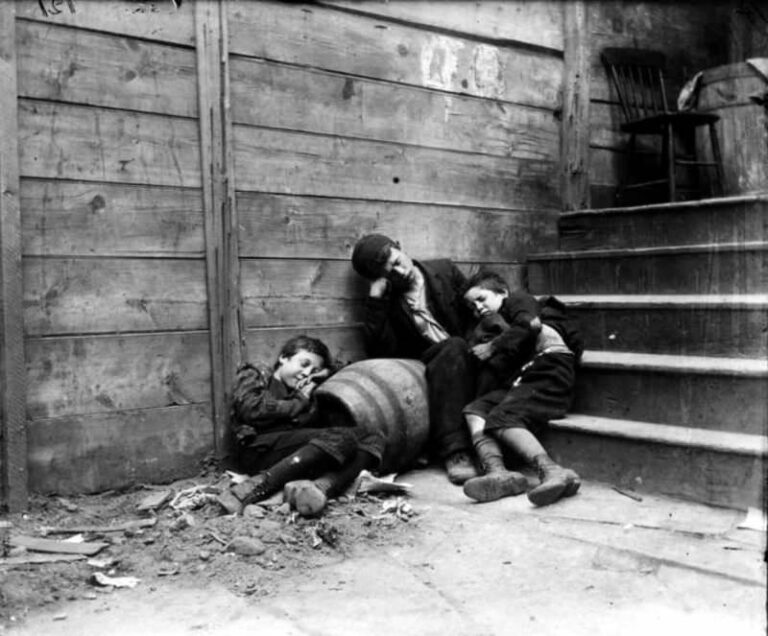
439, 61
488, 72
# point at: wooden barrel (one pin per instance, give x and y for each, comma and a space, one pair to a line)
742, 129
387, 394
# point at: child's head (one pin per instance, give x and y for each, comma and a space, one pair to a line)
485, 291
300, 357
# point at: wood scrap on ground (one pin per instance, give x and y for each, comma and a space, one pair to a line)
35, 544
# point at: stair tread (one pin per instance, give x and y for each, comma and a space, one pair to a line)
649, 251
681, 205
747, 301
744, 443
714, 365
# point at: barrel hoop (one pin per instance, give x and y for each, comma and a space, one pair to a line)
409, 367
352, 384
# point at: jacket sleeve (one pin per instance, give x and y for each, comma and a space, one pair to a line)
255, 407
381, 339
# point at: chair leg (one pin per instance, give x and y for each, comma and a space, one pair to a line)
670, 147
717, 158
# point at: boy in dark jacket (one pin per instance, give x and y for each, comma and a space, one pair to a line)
416, 310
532, 350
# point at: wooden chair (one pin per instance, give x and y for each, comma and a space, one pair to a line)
638, 78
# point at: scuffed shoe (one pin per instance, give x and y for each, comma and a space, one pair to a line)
253, 489
495, 486
556, 482
229, 502
460, 468
305, 497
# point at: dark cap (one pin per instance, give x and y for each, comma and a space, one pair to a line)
370, 254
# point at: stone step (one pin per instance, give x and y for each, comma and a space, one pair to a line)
733, 268
724, 220
711, 393
681, 324
710, 466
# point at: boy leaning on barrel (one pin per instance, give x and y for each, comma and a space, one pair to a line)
414, 309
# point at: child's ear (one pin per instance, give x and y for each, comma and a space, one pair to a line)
281, 361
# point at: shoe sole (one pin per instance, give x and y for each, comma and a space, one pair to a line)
544, 495
492, 487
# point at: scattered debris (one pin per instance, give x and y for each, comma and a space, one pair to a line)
247, 546
34, 558
194, 497
99, 578
631, 495
35, 544
118, 527
154, 501
369, 483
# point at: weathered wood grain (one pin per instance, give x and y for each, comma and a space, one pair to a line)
286, 226
281, 96
345, 343
71, 296
161, 21
97, 452
83, 67
536, 22
100, 219
90, 144
300, 163
358, 45
13, 438
107, 374
692, 37
281, 293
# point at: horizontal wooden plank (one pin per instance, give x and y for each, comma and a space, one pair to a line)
281, 293
161, 21
72, 296
93, 453
90, 144
345, 343
62, 218
536, 22
277, 226
281, 96
84, 67
36, 544
358, 45
106, 374
300, 163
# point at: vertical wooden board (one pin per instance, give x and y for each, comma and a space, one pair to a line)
535, 22
83, 67
298, 163
77, 142
104, 374
280, 96
345, 343
576, 120
101, 219
283, 226
358, 45
163, 21
13, 438
93, 453
71, 296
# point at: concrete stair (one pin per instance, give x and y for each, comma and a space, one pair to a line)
673, 388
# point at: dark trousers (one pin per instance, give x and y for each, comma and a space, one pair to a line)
450, 375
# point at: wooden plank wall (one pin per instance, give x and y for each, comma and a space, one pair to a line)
113, 247
437, 128
692, 35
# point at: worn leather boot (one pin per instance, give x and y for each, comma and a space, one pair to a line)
497, 482
256, 488
556, 482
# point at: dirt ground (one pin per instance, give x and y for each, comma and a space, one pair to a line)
190, 537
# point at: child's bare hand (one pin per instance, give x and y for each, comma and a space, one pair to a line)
320, 375
483, 350
306, 386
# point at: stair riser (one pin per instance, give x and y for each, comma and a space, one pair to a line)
725, 403
723, 223
727, 272
724, 479
675, 330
